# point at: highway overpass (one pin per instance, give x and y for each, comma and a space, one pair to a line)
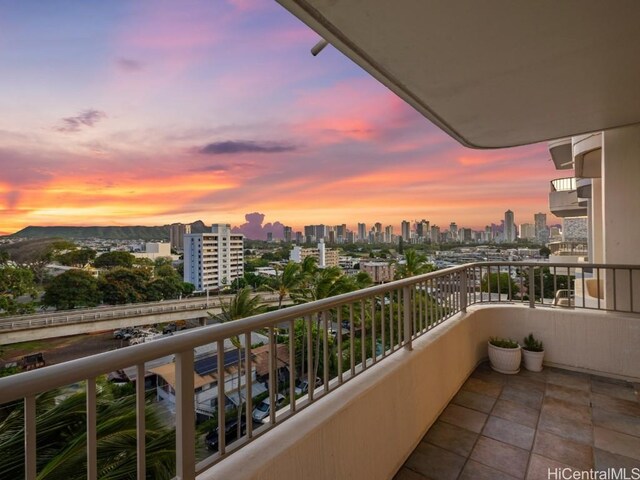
54, 324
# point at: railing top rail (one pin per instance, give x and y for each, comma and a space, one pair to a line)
546, 264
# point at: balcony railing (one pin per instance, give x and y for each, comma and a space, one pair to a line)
566, 184
335, 339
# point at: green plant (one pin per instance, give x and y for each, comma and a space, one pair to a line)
503, 342
532, 344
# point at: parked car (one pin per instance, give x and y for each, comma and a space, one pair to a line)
230, 433
174, 326
262, 410
302, 385
123, 333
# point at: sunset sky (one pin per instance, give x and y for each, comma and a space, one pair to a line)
147, 113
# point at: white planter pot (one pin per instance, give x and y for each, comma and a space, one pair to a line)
533, 360
505, 360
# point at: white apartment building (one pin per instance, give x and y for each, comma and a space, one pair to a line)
213, 260
326, 257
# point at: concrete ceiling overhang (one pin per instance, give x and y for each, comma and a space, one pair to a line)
495, 73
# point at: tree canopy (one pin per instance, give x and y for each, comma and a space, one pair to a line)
74, 288
114, 259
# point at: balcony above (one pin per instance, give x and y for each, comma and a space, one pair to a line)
495, 74
563, 198
561, 153
587, 155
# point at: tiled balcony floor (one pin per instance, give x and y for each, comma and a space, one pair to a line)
518, 426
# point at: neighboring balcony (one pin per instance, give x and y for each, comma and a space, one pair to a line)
387, 361
563, 198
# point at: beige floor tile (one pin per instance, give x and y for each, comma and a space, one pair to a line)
539, 468
477, 471
483, 387
523, 395
612, 404
568, 394
464, 417
623, 391
573, 411
580, 381
509, 432
564, 427
450, 437
616, 421
577, 455
616, 442
505, 458
407, 474
516, 412
475, 401
605, 460
435, 463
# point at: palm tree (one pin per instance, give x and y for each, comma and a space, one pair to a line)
325, 283
242, 305
286, 280
61, 439
414, 264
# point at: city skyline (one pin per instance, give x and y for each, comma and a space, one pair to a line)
231, 115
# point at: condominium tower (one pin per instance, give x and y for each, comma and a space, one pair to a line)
213, 260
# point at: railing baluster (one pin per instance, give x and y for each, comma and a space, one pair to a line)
383, 326
30, 471
373, 329
615, 292
532, 287
311, 376
273, 378
325, 351
392, 338
249, 380
542, 285
598, 285
339, 340
463, 290
141, 422
631, 290
406, 293
222, 406
352, 353
185, 416
363, 334
92, 440
399, 318
499, 289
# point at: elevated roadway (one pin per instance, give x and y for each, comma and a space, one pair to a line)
53, 324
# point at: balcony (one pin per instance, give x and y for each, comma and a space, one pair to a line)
389, 359
563, 198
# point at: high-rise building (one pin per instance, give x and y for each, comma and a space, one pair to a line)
541, 231
213, 260
453, 231
288, 234
405, 230
388, 234
527, 231
177, 231
422, 230
299, 238
509, 232
309, 233
378, 227
362, 232
435, 234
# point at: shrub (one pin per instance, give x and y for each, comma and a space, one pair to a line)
503, 342
532, 344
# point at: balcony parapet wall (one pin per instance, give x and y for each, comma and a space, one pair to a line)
368, 427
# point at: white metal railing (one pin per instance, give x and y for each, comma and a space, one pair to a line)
339, 337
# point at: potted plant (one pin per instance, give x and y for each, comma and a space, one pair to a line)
505, 355
533, 353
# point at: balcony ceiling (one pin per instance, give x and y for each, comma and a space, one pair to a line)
495, 73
